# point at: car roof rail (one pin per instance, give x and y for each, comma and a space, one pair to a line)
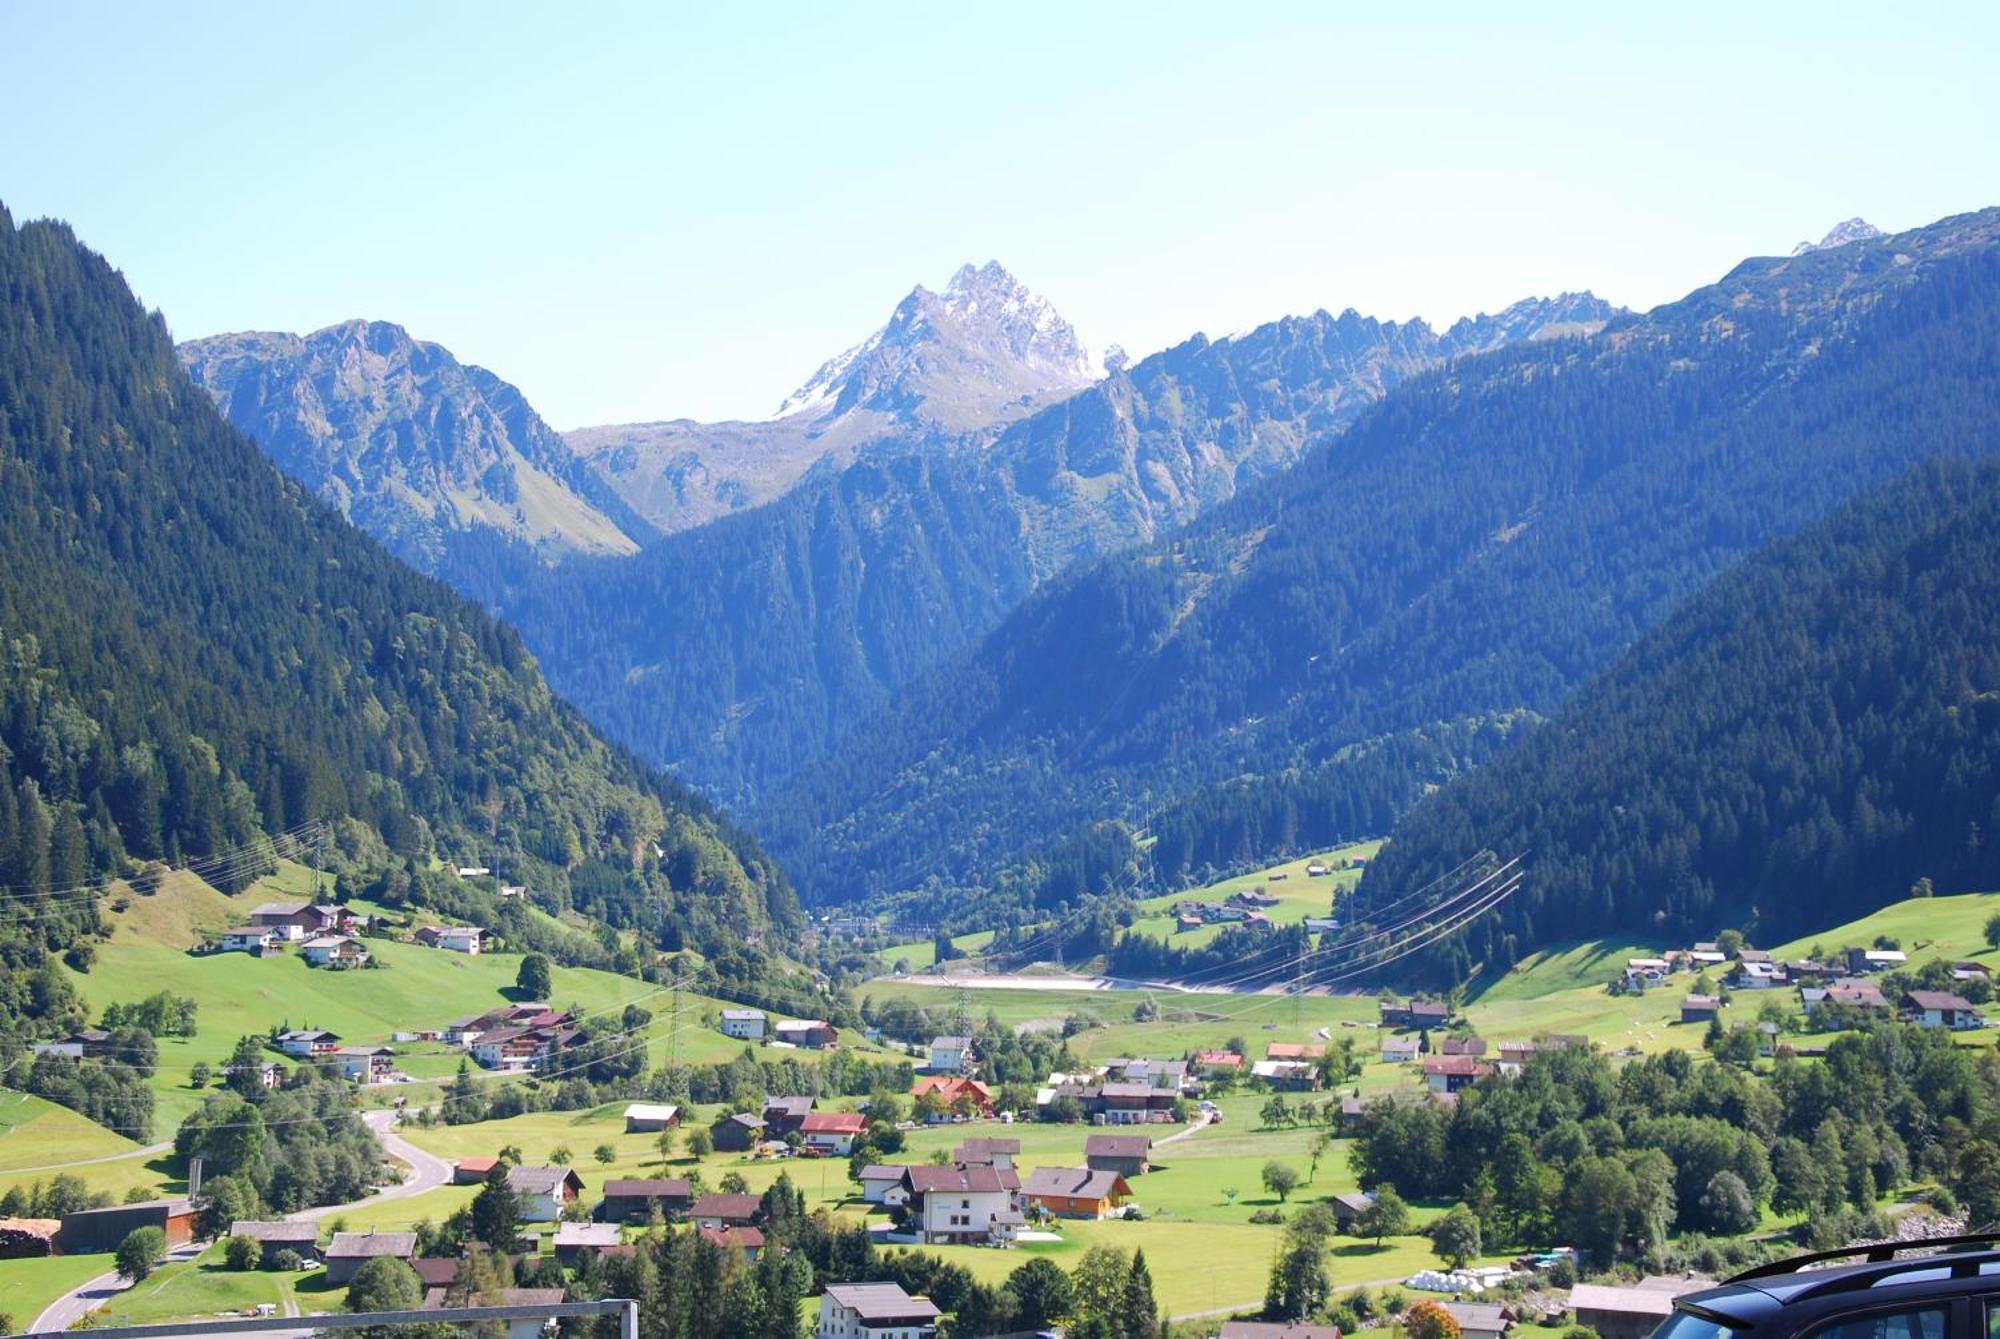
1876, 1252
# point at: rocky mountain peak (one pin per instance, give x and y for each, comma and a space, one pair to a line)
985, 350
1852, 230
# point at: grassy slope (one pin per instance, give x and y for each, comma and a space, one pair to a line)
1299, 896
240, 995
27, 1286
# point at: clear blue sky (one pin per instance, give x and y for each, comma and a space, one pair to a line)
636, 213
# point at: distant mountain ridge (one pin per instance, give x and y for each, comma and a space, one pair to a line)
415, 447
946, 366
741, 651
1470, 549
1851, 230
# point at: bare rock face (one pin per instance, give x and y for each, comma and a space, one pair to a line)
415, 447
947, 368
1853, 230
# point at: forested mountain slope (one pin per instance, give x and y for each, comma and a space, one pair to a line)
1474, 546
1795, 746
194, 651
741, 651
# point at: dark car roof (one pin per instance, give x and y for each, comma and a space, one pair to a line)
1794, 1295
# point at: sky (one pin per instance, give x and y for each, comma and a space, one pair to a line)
639, 212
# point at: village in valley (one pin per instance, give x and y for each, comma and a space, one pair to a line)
958, 1134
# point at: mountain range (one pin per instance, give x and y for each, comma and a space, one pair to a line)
1468, 552
1243, 596
739, 651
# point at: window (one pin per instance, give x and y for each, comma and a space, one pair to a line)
1917, 1323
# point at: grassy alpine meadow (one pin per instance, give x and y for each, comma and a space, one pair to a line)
413, 988
1299, 894
34, 1132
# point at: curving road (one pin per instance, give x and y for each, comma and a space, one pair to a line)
426, 1171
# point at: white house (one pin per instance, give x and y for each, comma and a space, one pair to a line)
959, 1204
334, 951
366, 1064
1758, 976
832, 1132
882, 1183
251, 939
460, 938
544, 1191
875, 1311
744, 1024
1941, 1009
303, 1042
949, 1054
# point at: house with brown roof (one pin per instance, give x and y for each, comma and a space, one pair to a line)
724, 1210
961, 1204
745, 1241
634, 1200
1426, 1014
1076, 1192
1125, 1154
784, 1115
1941, 1009
1450, 1073
875, 1311
1480, 1320
832, 1132
1295, 1050
955, 1092
1700, 1008
351, 1250
90, 1231
1463, 1046
880, 1180
738, 1132
810, 1033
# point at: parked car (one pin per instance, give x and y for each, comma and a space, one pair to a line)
1932, 1296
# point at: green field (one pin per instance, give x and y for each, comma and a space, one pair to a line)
921, 956
27, 1286
1927, 927
1299, 895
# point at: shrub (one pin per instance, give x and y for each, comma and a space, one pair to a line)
287, 1260
242, 1253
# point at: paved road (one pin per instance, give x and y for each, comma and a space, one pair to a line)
424, 1172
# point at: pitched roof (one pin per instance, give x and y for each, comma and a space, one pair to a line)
282, 1229
436, 1272
587, 1234
1941, 1000
541, 1180
368, 1245
1075, 1183
716, 1204
1117, 1146
951, 1043
656, 1188
977, 1179
1626, 1301
789, 1106
1456, 1065
984, 1150
883, 1171
1485, 1316
741, 1238
833, 1122
880, 1301
651, 1111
